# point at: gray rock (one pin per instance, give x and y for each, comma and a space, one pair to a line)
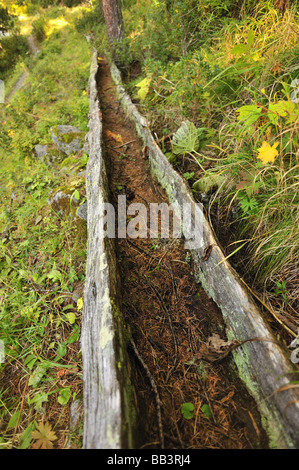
76, 413
48, 154
57, 197
76, 416
61, 202
68, 139
82, 211
41, 152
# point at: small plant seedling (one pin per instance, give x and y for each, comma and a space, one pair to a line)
281, 289
188, 175
187, 410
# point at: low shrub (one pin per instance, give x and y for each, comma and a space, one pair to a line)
12, 47
39, 28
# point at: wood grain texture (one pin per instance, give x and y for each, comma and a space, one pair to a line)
107, 407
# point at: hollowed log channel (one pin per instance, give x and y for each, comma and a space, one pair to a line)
168, 315
146, 313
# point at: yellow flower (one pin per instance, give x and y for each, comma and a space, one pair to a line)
267, 153
80, 304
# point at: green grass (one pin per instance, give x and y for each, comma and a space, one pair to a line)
42, 258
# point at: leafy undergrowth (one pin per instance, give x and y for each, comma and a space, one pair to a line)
43, 251
218, 86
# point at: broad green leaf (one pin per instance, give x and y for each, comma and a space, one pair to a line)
14, 419
64, 395
187, 410
240, 49
37, 375
71, 317
249, 113
248, 205
38, 400
55, 275
206, 410
74, 336
185, 139
68, 307
26, 437
280, 109
62, 350
77, 195
189, 175
30, 361
23, 273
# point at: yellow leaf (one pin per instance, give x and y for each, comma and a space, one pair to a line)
276, 68
143, 88
267, 153
80, 304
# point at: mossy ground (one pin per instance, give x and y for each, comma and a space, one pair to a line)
43, 252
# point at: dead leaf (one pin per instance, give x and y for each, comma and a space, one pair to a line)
116, 137
276, 68
227, 397
216, 348
282, 5
243, 184
60, 373
44, 436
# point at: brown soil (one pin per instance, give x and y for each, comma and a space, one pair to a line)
282, 319
169, 316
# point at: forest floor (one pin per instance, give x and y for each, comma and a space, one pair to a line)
184, 401
170, 316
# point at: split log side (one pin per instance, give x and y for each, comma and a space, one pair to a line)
108, 406
261, 365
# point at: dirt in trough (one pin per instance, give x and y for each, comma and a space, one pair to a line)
169, 316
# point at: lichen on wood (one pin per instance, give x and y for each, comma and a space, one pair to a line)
108, 405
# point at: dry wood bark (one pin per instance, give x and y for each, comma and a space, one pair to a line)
113, 19
108, 416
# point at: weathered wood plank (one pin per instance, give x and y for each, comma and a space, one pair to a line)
262, 365
108, 419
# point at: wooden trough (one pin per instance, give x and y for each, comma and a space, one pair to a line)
108, 405
263, 366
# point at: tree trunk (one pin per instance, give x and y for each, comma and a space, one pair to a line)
113, 19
